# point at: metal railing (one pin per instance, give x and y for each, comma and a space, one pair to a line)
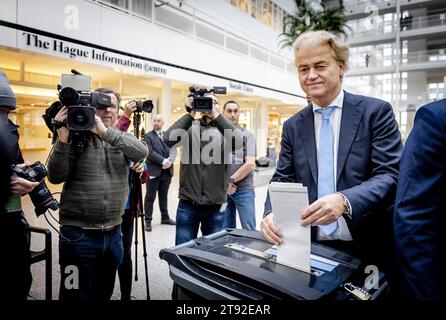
197, 24
382, 28
409, 24
425, 21
425, 56
348, 3
417, 57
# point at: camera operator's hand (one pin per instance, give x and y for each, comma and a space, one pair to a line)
20, 186
129, 108
99, 126
188, 103
62, 133
215, 109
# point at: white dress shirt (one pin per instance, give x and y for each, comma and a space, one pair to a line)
342, 232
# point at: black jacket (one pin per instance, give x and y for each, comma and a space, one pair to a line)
204, 182
158, 151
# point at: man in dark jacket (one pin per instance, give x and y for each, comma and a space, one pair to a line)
15, 273
205, 169
420, 207
160, 165
92, 201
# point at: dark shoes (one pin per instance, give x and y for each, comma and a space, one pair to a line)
164, 221
168, 221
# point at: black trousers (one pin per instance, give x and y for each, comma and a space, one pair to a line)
160, 184
15, 272
125, 270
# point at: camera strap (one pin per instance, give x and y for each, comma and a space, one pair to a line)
13, 204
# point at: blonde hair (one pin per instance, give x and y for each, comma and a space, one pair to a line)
311, 39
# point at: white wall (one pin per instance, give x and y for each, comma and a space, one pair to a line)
113, 29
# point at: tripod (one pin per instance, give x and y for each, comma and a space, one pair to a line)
138, 210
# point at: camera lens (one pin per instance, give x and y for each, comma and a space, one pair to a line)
80, 118
147, 106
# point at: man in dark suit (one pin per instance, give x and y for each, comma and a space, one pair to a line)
160, 165
420, 207
345, 149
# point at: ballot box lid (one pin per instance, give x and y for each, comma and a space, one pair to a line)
211, 262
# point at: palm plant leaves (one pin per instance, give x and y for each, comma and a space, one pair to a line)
307, 18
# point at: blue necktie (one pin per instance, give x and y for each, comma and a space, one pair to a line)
325, 180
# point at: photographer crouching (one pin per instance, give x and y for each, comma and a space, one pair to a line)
92, 200
15, 273
205, 165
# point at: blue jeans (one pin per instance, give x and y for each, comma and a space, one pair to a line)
243, 202
190, 216
88, 262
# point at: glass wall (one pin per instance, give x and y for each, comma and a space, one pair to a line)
266, 11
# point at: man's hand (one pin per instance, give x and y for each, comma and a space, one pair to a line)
129, 108
166, 164
21, 186
99, 126
62, 133
270, 229
324, 210
215, 110
232, 188
188, 103
138, 168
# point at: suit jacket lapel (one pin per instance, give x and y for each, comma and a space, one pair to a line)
161, 144
305, 127
351, 117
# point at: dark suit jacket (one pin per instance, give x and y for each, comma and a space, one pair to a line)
420, 207
158, 151
367, 165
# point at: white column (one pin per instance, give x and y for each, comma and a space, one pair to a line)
262, 128
165, 107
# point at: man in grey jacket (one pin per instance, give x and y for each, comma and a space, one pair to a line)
92, 201
204, 170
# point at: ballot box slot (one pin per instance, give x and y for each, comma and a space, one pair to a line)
268, 257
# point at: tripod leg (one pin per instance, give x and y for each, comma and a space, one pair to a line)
136, 248
145, 257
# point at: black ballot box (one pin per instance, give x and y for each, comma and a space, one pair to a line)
237, 264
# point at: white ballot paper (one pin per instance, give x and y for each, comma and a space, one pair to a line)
288, 200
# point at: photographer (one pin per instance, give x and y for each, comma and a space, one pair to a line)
203, 183
92, 201
15, 273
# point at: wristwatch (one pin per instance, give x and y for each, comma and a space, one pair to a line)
348, 209
232, 180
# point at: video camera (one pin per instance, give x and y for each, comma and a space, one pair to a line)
40, 195
75, 93
202, 103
